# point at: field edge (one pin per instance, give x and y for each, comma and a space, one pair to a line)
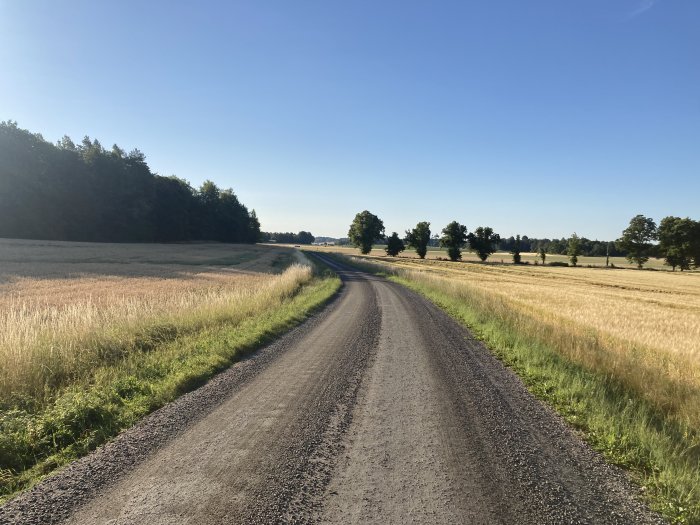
83, 419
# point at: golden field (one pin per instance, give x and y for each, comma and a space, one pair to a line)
67, 308
654, 310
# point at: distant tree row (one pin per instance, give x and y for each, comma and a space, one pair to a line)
366, 229
588, 247
84, 192
288, 237
679, 241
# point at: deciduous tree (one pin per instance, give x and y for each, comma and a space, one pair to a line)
517, 259
695, 246
305, 237
483, 241
454, 237
636, 239
573, 248
394, 245
365, 230
418, 238
676, 241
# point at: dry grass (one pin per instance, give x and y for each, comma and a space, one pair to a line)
641, 328
656, 310
68, 308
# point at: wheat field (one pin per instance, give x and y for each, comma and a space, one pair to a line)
68, 308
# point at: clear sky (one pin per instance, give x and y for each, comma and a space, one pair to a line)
538, 117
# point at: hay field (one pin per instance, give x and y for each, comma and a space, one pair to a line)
67, 308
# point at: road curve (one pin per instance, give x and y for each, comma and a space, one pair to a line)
381, 409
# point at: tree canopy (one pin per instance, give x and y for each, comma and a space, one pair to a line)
454, 237
394, 245
636, 239
695, 246
365, 230
517, 258
418, 238
85, 192
574, 248
483, 241
303, 237
592, 248
678, 239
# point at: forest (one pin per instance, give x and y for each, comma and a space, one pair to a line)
84, 192
302, 237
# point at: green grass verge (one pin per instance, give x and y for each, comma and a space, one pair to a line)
36, 442
662, 457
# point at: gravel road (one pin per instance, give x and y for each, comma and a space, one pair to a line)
381, 409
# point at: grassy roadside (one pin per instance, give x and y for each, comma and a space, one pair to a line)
662, 453
36, 439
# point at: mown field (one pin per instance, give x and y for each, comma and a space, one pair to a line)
94, 336
615, 351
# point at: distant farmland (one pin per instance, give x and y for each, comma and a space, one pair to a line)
501, 257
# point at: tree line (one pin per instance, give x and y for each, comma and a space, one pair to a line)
679, 241
84, 192
588, 247
288, 237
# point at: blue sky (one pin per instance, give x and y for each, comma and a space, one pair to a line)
538, 117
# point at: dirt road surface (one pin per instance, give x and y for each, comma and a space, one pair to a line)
381, 409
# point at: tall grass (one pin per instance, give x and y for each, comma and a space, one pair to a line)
45, 348
639, 406
666, 380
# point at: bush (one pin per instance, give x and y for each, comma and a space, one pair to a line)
558, 263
